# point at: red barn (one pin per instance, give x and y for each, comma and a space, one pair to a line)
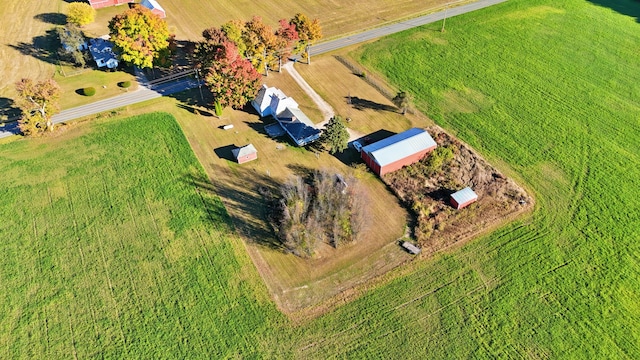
463, 198
396, 151
97, 4
245, 153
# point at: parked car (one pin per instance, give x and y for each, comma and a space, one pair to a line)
356, 145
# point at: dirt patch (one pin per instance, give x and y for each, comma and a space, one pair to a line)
438, 224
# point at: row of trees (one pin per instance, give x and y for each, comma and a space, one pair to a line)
327, 208
234, 54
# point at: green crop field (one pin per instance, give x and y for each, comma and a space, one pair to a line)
552, 89
110, 249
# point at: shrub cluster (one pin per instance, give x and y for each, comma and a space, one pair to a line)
327, 208
89, 91
124, 84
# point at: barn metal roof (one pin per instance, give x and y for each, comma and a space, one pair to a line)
399, 146
244, 151
464, 195
151, 4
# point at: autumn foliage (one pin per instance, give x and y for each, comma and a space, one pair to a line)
38, 102
139, 35
231, 78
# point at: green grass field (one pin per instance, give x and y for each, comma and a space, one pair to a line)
110, 251
555, 95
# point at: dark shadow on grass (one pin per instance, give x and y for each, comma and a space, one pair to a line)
193, 100
8, 110
624, 7
349, 156
42, 47
363, 104
249, 199
224, 152
301, 170
52, 18
195, 110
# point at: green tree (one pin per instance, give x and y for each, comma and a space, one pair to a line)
71, 37
232, 79
335, 135
139, 36
38, 102
80, 14
233, 30
402, 100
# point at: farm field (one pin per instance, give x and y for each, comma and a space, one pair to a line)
539, 85
128, 280
111, 249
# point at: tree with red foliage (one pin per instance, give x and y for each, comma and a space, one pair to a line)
232, 79
286, 36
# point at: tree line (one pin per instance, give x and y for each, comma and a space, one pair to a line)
231, 57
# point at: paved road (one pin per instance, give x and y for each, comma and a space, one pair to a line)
143, 94
398, 27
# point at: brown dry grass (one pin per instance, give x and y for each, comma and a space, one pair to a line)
18, 24
22, 22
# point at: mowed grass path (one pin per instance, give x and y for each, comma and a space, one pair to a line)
109, 250
551, 88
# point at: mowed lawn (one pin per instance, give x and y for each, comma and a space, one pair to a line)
110, 250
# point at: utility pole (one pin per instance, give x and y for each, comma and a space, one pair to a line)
264, 61
308, 55
445, 17
199, 85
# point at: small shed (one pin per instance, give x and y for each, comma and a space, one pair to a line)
411, 248
154, 7
463, 198
245, 153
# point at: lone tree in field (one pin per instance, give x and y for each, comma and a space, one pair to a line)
71, 38
139, 36
38, 101
80, 14
402, 101
335, 135
232, 79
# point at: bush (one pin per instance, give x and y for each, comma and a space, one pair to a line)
124, 84
90, 91
218, 108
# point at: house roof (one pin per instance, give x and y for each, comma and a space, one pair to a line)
263, 99
298, 125
101, 50
244, 151
464, 195
399, 146
151, 4
280, 103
